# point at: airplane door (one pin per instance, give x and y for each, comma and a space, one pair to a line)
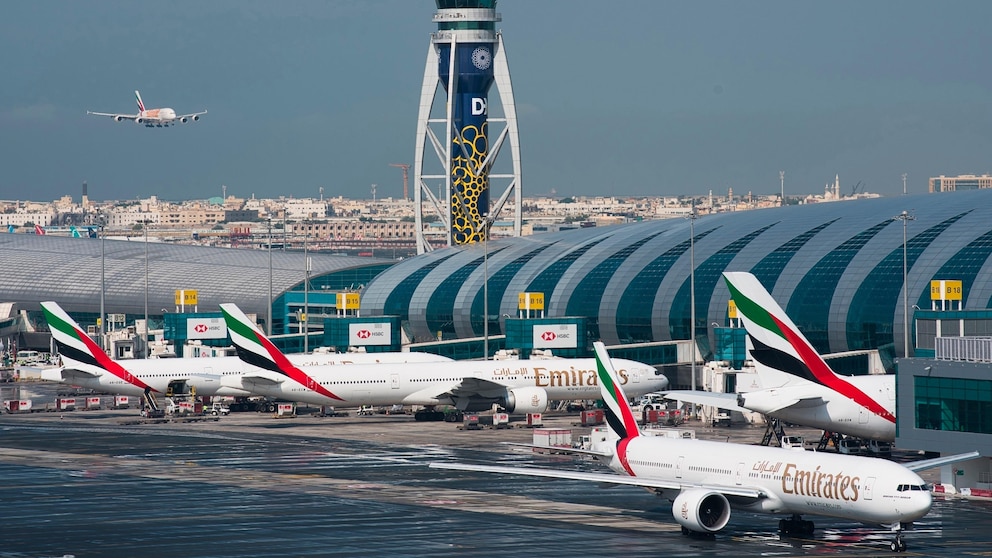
740, 473
394, 381
869, 484
863, 415
678, 467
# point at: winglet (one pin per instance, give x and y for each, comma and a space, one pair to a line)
256, 349
75, 345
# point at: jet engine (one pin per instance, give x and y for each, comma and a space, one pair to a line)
526, 400
702, 511
118, 118
184, 119
139, 121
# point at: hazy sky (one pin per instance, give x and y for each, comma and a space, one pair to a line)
641, 97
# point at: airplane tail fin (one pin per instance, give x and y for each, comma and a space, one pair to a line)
38, 229
619, 415
782, 355
91, 232
75, 345
141, 104
10, 228
255, 348
74, 231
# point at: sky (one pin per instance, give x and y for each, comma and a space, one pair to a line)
639, 98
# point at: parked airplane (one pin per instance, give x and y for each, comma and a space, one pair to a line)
797, 385
86, 365
706, 479
519, 386
152, 118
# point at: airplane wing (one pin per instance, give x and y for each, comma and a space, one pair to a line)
601, 478
721, 400
466, 387
559, 449
940, 461
190, 115
112, 115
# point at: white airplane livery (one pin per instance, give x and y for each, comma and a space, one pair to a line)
519, 386
706, 479
86, 365
152, 118
797, 385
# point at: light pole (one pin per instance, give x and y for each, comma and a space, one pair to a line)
306, 287
103, 287
692, 296
904, 217
781, 177
484, 227
904, 184
269, 317
144, 229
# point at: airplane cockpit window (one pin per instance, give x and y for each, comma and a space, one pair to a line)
913, 487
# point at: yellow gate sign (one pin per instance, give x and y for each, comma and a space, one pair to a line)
185, 297
530, 301
945, 290
347, 301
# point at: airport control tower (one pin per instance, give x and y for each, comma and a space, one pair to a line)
466, 58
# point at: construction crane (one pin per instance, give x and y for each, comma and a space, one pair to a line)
406, 178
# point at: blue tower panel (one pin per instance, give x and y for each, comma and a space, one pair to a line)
470, 145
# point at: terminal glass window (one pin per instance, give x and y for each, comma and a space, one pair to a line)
954, 404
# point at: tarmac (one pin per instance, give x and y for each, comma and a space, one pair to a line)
100, 483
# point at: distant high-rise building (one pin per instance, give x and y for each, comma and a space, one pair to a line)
961, 182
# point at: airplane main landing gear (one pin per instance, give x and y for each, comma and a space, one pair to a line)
795, 525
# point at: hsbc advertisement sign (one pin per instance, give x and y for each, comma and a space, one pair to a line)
369, 334
206, 328
558, 336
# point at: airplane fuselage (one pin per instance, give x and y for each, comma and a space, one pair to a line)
792, 481
209, 376
440, 383
833, 411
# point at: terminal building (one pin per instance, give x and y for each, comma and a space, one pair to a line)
837, 269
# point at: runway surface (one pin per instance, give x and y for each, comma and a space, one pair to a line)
86, 484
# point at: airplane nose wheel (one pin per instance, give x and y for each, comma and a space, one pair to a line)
898, 545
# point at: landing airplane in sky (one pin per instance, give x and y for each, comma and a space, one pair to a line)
797, 385
706, 479
152, 118
519, 386
84, 364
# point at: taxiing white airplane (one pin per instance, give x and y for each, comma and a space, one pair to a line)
152, 118
797, 385
86, 365
707, 479
519, 386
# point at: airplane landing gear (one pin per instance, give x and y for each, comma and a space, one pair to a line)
897, 544
795, 525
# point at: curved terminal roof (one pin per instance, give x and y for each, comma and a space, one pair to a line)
68, 271
836, 268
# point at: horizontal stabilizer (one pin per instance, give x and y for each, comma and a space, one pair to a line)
726, 401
